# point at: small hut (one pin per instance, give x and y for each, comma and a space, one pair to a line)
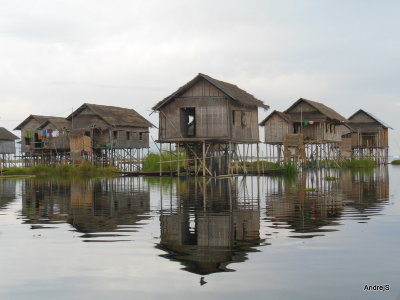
7, 141
370, 137
7, 146
305, 123
208, 117
100, 131
30, 141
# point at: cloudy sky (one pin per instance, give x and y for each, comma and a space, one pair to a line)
56, 55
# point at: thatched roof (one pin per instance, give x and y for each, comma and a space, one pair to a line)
58, 123
231, 90
322, 108
371, 116
114, 116
6, 135
284, 116
38, 118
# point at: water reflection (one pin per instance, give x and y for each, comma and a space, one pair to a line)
318, 200
205, 224
7, 192
100, 209
209, 225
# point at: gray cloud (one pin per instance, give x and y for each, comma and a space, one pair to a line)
54, 55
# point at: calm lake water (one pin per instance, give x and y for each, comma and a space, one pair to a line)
232, 238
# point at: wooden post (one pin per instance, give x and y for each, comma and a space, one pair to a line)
195, 165
258, 159
179, 154
204, 158
170, 160
236, 159
160, 159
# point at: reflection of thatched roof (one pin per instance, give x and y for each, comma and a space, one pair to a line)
322, 108
284, 116
6, 135
371, 116
231, 90
58, 123
38, 118
114, 116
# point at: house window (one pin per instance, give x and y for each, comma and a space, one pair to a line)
140, 136
188, 121
27, 141
128, 135
115, 134
233, 117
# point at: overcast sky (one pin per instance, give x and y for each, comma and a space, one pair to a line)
56, 55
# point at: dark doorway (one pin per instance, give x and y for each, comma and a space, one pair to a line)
188, 121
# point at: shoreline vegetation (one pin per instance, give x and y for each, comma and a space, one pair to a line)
151, 164
86, 169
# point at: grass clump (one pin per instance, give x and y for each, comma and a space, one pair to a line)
86, 169
396, 162
151, 163
330, 178
358, 163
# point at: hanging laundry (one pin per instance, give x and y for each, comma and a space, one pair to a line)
44, 133
49, 133
56, 133
28, 134
39, 134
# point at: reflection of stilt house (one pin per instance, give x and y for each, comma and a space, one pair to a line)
211, 228
370, 137
209, 118
367, 192
306, 130
7, 146
104, 206
108, 134
7, 192
307, 207
89, 206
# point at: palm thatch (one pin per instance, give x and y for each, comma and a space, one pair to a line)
114, 116
6, 135
322, 108
284, 116
38, 118
231, 90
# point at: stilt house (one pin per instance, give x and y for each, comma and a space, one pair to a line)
209, 109
315, 121
110, 126
304, 123
7, 141
30, 141
370, 136
370, 132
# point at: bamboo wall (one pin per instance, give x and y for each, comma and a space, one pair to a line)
214, 116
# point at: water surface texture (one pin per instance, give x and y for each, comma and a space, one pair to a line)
303, 237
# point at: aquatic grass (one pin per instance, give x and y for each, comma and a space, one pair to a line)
330, 178
358, 163
396, 162
151, 163
86, 169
